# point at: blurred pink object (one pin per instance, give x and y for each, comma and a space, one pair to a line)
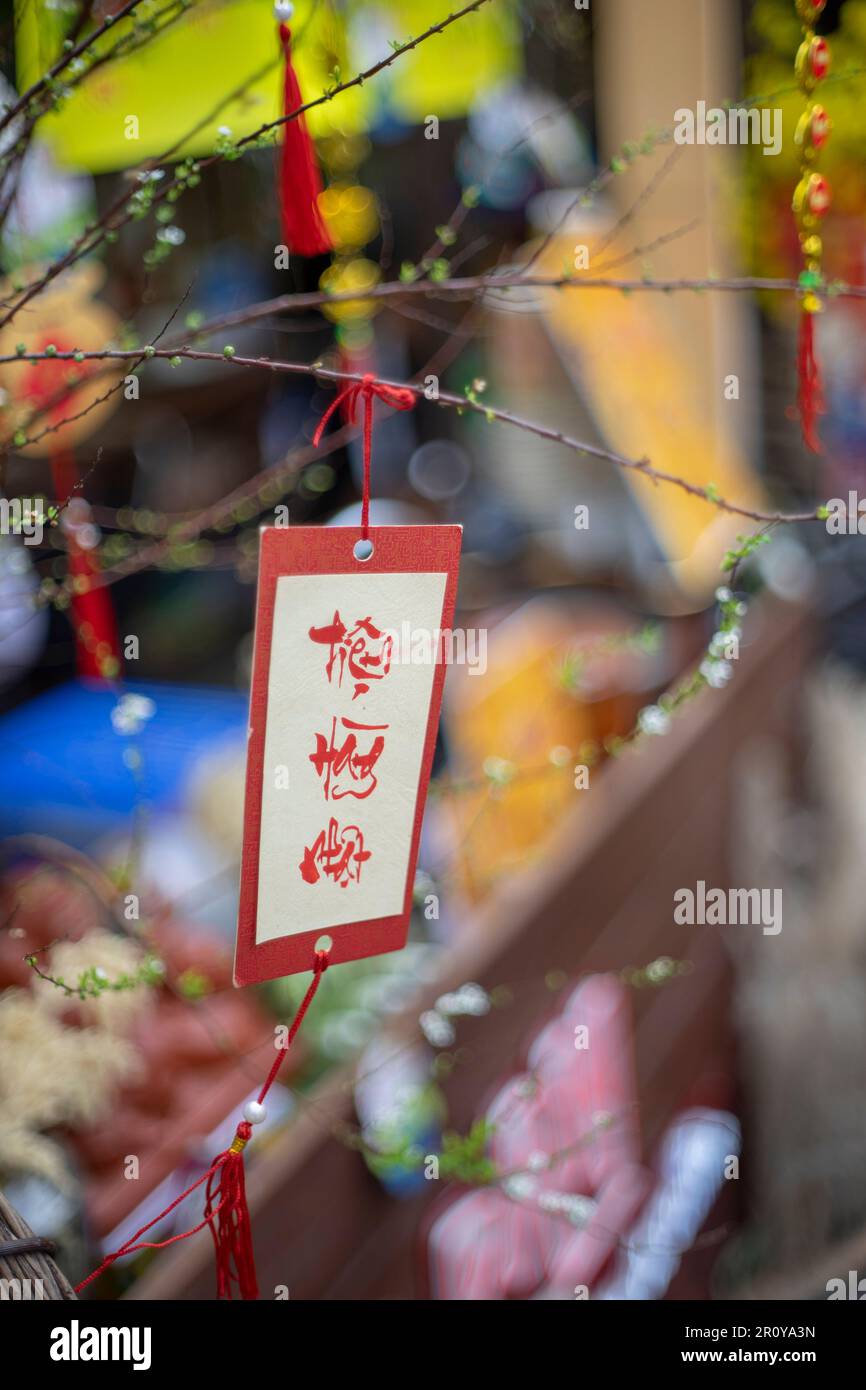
567, 1139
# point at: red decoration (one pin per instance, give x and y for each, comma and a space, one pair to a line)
818, 195
229, 1219
819, 58
47, 387
819, 127
300, 180
810, 394
97, 646
812, 198
350, 820
226, 1212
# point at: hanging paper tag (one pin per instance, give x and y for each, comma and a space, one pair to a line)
348, 671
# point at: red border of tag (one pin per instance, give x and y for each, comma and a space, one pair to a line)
329, 550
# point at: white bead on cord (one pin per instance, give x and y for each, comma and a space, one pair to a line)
254, 1112
283, 11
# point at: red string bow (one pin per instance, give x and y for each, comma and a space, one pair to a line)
368, 388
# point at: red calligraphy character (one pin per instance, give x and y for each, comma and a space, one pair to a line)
348, 771
332, 635
355, 651
336, 854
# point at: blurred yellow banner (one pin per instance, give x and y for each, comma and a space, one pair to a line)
642, 376
218, 65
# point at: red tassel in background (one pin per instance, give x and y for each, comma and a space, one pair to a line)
228, 1217
810, 395
300, 180
91, 608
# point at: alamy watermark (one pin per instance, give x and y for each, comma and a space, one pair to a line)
853, 1288
736, 125
23, 516
22, 1290
718, 907
845, 518
77, 1343
420, 646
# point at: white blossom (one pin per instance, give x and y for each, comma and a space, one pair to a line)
653, 720
519, 1186
716, 673
438, 1031
468, 999
131, 713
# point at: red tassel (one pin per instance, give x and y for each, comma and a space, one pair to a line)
227, 1215
300, 180
810, 393
226, 1212
92, 607
91, 604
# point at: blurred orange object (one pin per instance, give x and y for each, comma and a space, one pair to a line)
66, 319
557, 679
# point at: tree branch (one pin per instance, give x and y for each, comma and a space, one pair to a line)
445, 399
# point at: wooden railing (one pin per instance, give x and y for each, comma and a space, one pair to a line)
602, 899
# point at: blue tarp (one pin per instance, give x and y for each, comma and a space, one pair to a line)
64, 772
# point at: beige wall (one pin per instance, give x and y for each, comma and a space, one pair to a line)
652, 57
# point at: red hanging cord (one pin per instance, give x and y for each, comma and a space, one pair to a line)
398, 397
300, 182
226, 1211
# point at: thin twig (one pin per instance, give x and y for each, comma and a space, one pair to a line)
447, 400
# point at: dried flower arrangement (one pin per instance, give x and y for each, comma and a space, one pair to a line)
54, 1074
